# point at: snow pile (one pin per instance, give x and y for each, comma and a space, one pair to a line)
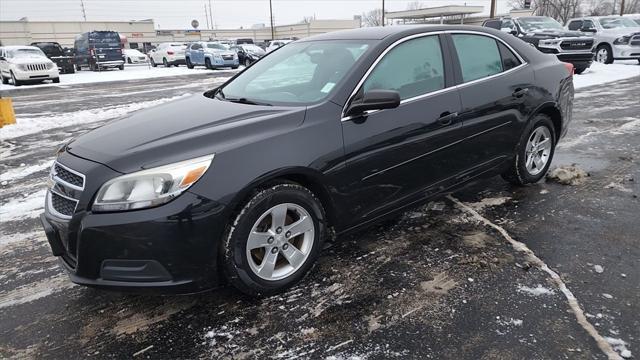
129, 73
568, 175
603, 73
537, 291
26, 126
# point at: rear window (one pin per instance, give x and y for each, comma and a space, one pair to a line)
104, 40
51, 49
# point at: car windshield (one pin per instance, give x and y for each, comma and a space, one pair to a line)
51, 49
216, 46
617, 22
300, 73
533, 24
25, 53
252, 48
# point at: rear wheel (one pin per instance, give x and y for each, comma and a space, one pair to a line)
580, 70
78, 67
129, 61
121, 67
274, 240
534, 152
247, 62
604, 54
153, 63
165, 62
189, 64
4, 79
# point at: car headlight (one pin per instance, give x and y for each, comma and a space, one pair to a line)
623, 40
50, 66
549, 42
22, 67
151, 187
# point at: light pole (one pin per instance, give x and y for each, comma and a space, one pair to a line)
271, 18
492, 12
382, 12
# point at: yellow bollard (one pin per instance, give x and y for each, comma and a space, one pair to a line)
7, 116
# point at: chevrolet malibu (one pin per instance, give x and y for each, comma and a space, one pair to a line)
243, 184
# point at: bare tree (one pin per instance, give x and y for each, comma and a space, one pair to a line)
372, 18
561, 10
415, 5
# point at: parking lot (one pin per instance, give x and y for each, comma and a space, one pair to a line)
466, 276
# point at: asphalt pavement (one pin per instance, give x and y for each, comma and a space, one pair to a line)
437, 282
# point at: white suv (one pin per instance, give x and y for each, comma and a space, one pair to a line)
617, 37
26, 64
168, 54
277, 44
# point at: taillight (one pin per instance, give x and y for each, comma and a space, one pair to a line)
570, 68
92, 52
170, 52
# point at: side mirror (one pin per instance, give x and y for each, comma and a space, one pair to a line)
514, 32
374, 100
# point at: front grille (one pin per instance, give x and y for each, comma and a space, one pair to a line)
586, 44
63, 205
66, 175
36, 67
227, 57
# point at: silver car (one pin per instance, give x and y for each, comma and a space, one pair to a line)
617, 37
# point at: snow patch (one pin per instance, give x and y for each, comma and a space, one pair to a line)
599, 74
35, 291
24, 171
26, 126
29, 207
620, 346
568, 175
489, 202
537, 291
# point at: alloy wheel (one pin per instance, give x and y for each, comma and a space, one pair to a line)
538, 150
602, 55
280, 241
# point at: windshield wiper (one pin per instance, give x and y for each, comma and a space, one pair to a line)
247, 101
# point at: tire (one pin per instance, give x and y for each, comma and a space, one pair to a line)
604, 54
165, 62
153, 63
207, 64
580, 70
72, 70
129, 61
247, 62
240, 264
519, 173
121, 67
234, 67
189, 64
56, 80
15, 81
78, 68
5, 80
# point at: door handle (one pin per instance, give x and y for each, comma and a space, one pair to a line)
520, 92
446, 118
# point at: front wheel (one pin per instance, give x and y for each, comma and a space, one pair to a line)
247, 62
56, 80
189, 63
604, 54
15, 81
274, 240
207, 64
153, 63
5, 80
534, 153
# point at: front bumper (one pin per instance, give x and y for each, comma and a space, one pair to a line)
225, 63
171, 248
23, 75
108, 64
622, 52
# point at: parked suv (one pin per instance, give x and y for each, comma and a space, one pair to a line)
25, 65
55, 52
168, 54
212, 55
98, 50
616, 37
248, 53
331, 133
548, 36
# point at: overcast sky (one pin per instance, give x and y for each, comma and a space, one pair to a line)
177, 14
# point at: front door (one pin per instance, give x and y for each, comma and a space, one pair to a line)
197, 54
395, 156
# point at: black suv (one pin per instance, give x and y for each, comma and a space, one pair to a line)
331, 133
98, 50
56, 53
548, 36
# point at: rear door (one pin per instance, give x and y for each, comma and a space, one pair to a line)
496, 88
106, 45
393, 155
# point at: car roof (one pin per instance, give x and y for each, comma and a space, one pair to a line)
379, 32
18, 47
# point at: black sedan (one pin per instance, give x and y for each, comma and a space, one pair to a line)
326, 135
248, 53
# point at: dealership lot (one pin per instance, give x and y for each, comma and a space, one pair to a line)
437, 282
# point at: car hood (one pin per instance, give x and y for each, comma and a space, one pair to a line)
181, 130
556, 33
30, 60
221, 52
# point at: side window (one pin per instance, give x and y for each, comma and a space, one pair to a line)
479, 56
412, 68
588, 24
575, 25
494, 24
509, 59
196, 47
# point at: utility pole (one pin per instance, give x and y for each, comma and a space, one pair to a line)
84, 14
210, 14
206, 16
622, 8
382, 12
492, 12
273, 36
